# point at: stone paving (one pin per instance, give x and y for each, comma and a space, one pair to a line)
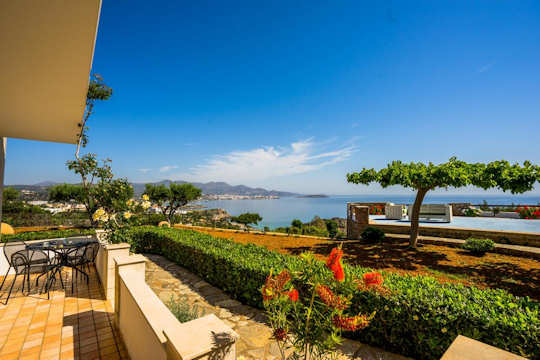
170, 280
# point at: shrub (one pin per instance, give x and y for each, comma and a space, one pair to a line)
51, 234
372, 235
478, 246
420, 318
182, 310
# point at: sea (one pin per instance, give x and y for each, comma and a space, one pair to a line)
280, 212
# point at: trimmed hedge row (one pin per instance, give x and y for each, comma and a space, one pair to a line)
52, 234
421, 318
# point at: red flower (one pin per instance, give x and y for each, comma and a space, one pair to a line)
274, 285
339, 274
334, 263
351, 323
293, 295
330, 299
280, 334
334, 258
373, 278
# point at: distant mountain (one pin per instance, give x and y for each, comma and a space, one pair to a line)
219, 188
209, 188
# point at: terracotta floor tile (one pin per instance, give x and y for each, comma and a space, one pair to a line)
68, 326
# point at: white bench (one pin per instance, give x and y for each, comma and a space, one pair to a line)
432, 212
394, 212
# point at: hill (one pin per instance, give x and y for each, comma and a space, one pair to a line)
40, 191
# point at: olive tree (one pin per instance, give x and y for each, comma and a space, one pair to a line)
421, 177
247, 218
170, 199
99, 188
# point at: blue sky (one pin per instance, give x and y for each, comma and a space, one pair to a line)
293, 95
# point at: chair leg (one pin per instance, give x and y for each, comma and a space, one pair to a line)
5, 277
11, 288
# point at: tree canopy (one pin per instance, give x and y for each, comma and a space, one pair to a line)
247, 218
98, 189
455, 173
10, 194
170, 199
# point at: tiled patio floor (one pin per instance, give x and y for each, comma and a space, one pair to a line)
76, 325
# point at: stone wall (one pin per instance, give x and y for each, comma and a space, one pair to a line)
357, 219
501, 237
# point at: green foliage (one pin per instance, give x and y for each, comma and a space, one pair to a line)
454, 173
50, 234
297, 224
471, 212
66, 193
182, 310
373, 235
31, 215
247, 218
478, 246
97, 91
420, 318
98, 189
172, 198
332, 228
10, 194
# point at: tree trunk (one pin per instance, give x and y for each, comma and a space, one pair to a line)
415, 216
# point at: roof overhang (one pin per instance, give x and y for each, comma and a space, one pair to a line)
46, 50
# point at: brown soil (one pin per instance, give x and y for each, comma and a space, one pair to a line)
518, 275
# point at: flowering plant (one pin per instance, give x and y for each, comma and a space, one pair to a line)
376, 210
528, 212
117, 219
309, 309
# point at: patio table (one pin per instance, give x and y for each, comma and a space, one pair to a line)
66, 254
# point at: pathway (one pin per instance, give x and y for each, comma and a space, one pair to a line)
170, 280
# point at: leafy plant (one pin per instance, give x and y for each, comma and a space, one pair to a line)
471, 212
247, 218
454, 173
50, 234
332, 228
419, 318
170, 199
182, 310
528, 212
372, 235
308, 310
478, 246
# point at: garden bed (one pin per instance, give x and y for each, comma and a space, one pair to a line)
420, 317
518, 275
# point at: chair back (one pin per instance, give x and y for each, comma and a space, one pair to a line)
13, 246
91, 252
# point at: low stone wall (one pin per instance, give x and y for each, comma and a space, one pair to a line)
502, 237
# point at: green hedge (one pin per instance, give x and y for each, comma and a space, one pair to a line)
420, 319
51, 234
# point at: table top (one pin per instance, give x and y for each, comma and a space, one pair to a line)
59, 244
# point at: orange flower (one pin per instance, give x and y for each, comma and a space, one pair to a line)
330, 299
293, 295
339, 274
351, 323
334, 259
373, 278
274, 285
334, 263
280, 334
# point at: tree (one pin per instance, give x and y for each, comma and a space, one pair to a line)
332, 227
454, 173
247, 218
99, 189
172, 198
10, 194
97, 91
297, 224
